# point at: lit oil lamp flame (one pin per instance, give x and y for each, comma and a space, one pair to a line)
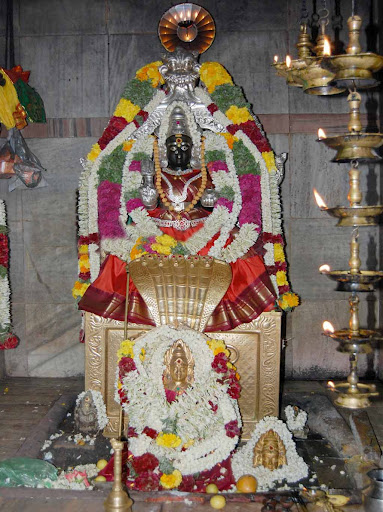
275, 59
324, 268
288, 61
321, 134
327, 326
330, 384
319, 200
326, 47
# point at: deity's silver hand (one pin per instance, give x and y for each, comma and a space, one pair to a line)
147, 190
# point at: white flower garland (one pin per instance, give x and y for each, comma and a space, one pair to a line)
296, 420
5, 309
98, 401
148, 406
293, 471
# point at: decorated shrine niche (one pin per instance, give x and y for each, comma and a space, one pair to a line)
182, 271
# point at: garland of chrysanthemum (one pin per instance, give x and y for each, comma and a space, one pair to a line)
128, 116
177, 431
7, 339
252, 157
230, 108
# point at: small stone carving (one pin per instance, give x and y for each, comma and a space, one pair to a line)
85, 415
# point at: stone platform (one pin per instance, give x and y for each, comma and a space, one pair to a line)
341, 447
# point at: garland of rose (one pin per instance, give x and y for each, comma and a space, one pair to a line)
176, 432
249, 147
7, 339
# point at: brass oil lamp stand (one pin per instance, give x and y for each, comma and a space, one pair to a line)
354, 340
118, 499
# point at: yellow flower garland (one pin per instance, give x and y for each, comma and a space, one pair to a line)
213, 74
94, 152
281, 278
288, 300
79, 289
238, 115
166, 240
127, 110
168, 440
151, 72
126, 349
171, 481
269, 159
279, 254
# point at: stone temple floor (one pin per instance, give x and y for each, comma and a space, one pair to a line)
28, 415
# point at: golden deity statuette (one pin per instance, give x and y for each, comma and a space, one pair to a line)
270, 452
179, 367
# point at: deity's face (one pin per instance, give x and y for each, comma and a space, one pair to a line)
270, 455
179, 369
178, 150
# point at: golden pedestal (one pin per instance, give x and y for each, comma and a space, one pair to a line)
255, 348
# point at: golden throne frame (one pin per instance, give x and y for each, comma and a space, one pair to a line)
180, 290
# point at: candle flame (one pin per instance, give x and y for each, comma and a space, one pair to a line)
326, 47
319, 200
288, 61
327, 326
189, 15
275, 59
324, 268
330, 384
321, 134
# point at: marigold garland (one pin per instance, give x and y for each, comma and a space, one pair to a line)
171, 481
213, 74
127, 110
241, 127
238, 115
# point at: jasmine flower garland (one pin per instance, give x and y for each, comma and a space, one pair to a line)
294, 470
198, 418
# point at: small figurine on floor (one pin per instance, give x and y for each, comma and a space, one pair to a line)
86, 414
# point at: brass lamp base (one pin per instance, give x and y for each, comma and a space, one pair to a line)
316, 80
364, 281
118, 499
354, 396
355, 146
357, 215
354, 71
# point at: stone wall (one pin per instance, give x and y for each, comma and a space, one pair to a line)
80, 55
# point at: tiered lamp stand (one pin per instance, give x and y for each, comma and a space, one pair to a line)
323, 74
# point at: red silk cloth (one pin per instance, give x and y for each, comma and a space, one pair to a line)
249, 294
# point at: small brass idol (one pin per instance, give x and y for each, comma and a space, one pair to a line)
270, 452
179, 364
